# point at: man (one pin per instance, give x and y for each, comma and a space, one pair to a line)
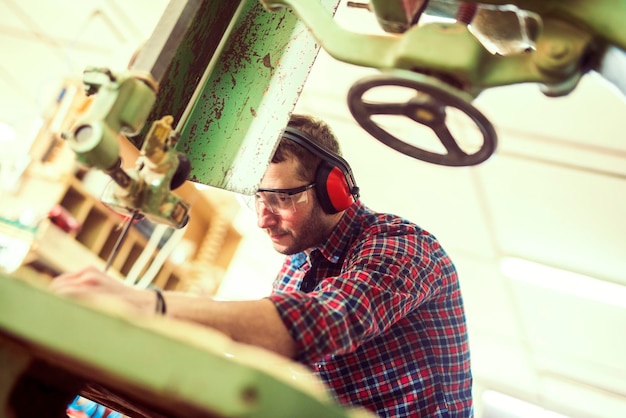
369, 301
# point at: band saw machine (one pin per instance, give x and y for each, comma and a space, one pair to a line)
205, 99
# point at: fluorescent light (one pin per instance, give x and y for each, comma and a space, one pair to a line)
563, 281
499, 404
7, 132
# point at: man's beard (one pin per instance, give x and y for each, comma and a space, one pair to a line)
313, 232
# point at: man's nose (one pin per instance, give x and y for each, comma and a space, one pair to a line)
265, 217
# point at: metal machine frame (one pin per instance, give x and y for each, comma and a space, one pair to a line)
448, 65
215, 84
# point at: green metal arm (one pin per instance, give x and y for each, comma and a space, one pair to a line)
452, 50
571, 39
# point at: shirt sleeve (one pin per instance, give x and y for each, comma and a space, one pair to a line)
382, 279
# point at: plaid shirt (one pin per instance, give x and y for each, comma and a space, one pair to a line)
384, 325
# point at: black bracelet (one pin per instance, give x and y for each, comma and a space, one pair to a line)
160, 300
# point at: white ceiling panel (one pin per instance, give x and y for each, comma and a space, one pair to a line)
576, 335
587, 116
492, 309
580, 400
559, 216
505, 366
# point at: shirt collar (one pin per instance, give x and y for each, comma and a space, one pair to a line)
338, 242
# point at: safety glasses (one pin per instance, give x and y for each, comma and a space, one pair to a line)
281, 201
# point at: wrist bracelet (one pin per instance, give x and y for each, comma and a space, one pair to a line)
160, 300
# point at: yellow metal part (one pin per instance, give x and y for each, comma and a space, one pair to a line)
155, 149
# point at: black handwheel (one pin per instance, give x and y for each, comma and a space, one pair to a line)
427, 107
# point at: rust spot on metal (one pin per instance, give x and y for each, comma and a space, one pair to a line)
192, 56
253, 111
220, 103
192, 132
267, 62
279, 22
240, 45
228, 172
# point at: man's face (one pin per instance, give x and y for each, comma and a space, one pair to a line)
292, 231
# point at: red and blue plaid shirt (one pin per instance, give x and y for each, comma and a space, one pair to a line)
384, 325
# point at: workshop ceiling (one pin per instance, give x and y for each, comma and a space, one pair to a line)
537, 232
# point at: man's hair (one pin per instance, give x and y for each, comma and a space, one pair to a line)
317, 130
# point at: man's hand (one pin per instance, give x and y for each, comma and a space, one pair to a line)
254, 322
91, 282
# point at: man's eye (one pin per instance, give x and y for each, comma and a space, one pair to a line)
282, 198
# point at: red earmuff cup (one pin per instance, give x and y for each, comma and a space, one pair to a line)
338, 190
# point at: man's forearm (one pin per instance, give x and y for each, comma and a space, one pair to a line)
253, 322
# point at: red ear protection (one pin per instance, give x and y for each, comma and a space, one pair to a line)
332, 188
335, 186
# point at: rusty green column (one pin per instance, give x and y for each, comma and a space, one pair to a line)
236, 117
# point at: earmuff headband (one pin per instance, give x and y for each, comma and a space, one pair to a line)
333, 159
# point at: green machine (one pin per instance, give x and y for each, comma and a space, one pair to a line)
227, 77
206, 99
447, 63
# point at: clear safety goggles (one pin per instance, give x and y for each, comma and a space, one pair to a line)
281, 200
